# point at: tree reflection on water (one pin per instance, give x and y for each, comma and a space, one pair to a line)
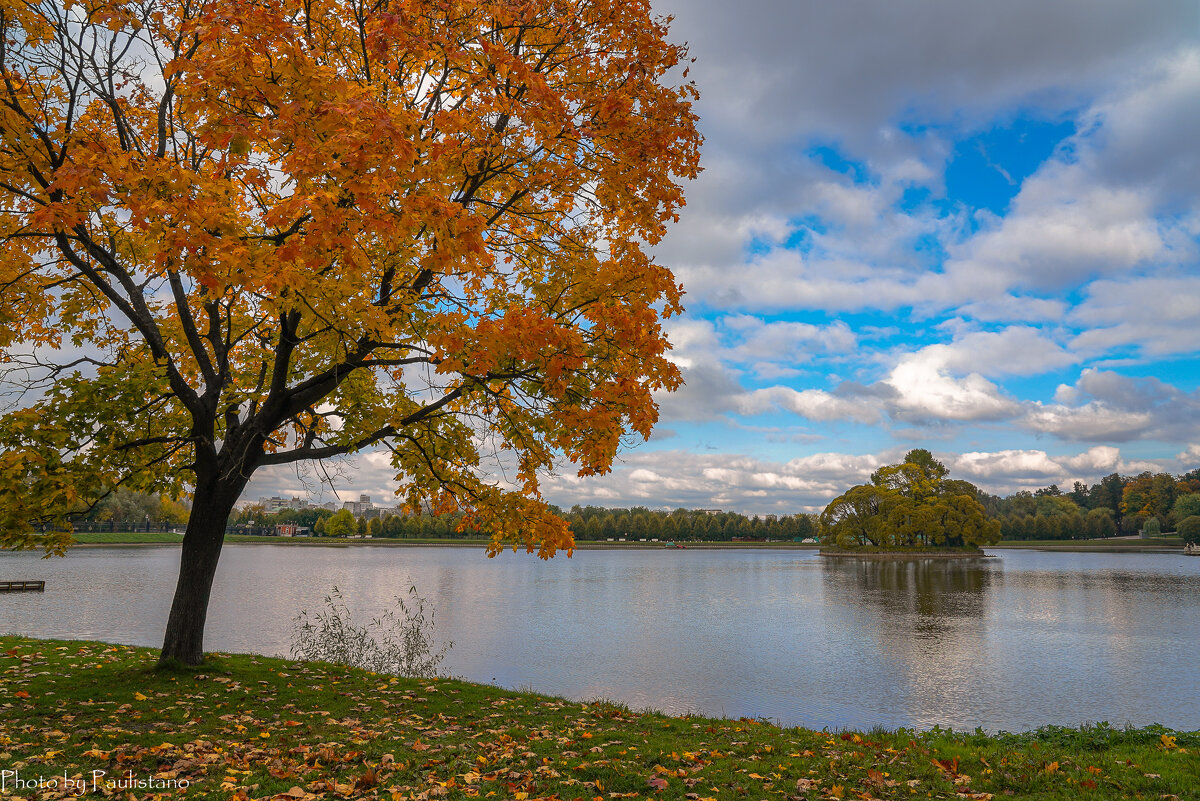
924, 626
922, 590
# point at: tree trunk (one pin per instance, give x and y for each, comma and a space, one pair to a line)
184, 640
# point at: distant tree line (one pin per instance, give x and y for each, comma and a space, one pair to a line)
127, 510
589, 523
1117, 505
597, 523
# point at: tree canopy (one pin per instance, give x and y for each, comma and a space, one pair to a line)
238, 235
911, 504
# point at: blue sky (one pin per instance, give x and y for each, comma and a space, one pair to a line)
972, 228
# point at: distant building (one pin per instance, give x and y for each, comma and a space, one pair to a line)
709, 512
275, 503
360, 508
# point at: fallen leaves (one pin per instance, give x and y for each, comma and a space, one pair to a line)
239, 732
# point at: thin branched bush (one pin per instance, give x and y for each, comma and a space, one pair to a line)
399, 642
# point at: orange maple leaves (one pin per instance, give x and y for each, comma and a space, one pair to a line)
326, 225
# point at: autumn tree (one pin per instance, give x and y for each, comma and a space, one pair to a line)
913, 503
240, 235
1187, 505
1150, 494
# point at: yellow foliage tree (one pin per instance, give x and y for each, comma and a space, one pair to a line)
911, 504
236, 234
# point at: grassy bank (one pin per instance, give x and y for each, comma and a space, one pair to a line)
125, 537
248, 727
1109, 544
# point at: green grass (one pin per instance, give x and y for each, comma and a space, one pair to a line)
123, 537
254, 727
1106, 544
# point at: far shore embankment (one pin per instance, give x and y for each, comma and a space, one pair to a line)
1165, 545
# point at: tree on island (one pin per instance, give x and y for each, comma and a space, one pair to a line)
913, 504
236, 235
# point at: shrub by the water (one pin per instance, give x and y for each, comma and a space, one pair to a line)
1151, 528
1189, 529
401, 644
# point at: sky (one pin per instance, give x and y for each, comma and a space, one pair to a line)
968, 227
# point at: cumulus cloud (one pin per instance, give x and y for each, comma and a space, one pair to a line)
1118, 196
1100, 459
926, 392
1105, 406
1095, 209
670, 479
1013, 350
1158, 316
938, 383
1007, 465
1063, 229
1006, 471
811, 404
1143, 135
713, 356
749, 484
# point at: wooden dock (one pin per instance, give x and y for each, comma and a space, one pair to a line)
22, 586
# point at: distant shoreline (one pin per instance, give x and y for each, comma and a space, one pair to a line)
588, 545
133, 539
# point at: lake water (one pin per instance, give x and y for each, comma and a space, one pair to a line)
1013, 642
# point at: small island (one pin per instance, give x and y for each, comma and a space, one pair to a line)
911, 509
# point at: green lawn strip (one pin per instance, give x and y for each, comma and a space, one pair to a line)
1111, 543
251, 727
121, 537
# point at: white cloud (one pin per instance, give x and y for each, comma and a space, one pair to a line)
730, 481
1145, 133
1100, 459
934, 384
1006, 471
1015, 350
1191, 457
1062, 229
1104, 406
669, 479
1006, 464
927, 391
812, 404
1159, 316
776, 348
753, 485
